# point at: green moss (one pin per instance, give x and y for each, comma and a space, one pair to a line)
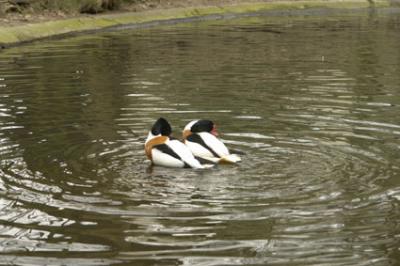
24, 33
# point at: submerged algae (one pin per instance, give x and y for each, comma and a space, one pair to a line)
25, 33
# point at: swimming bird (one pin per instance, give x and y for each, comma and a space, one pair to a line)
200, 136
164, 150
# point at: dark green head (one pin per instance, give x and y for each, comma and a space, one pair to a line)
161, 126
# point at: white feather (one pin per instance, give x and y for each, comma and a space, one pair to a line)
231, 158
214, 143
190, 124
163, 159
184, 152
198, 150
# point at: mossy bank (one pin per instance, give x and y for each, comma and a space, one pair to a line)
13, 35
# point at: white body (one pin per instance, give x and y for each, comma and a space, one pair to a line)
164, 159
216, 145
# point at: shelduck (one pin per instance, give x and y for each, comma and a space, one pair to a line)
163, 150
200, 136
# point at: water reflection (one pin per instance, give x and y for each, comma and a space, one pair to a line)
313, 103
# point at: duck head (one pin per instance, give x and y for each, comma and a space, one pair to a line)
198, 126
161, 127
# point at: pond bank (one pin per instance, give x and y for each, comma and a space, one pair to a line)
27, 32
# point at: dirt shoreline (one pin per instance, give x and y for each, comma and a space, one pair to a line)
34, 16
21, 28
29, 15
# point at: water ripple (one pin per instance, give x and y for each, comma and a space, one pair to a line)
319, 141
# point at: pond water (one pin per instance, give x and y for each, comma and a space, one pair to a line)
312, 101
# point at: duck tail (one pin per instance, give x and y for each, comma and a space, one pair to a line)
230, 158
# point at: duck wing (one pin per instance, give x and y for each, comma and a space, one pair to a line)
163, 154
184, 153
199, 147
214, 143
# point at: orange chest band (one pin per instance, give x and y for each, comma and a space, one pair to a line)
154, 142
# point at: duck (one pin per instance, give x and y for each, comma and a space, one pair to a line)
163, 150
201, 137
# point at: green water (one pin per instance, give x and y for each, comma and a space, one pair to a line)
313, 102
